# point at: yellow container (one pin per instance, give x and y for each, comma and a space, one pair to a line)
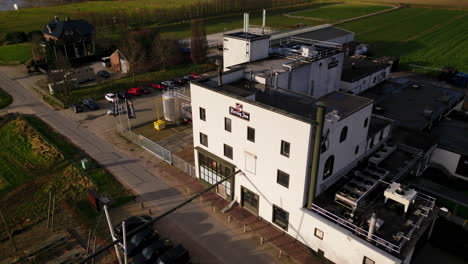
159, 124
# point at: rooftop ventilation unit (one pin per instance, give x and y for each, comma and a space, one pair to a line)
428, 113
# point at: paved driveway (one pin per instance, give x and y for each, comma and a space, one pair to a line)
208, 239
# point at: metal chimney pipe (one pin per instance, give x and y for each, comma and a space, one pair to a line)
373, 220
276, 80
220, 72
246, 22
264, 18
320, 120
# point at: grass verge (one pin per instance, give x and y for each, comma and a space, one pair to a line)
17, 53
339, 12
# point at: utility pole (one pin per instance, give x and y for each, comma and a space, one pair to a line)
112, 234
8, 231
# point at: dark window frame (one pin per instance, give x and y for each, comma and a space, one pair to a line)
356, 150
202, 113
251, 134
366, 259
227, 124
284, 225
283, 148
202, 136
228, 151
328, 168
318, 236
344, 134
366, 122
282, 175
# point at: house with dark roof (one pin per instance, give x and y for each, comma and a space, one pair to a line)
360, 74
76, 36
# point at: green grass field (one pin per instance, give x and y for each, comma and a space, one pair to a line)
428, 37
5, 99
15, 53
339, 12
35, 160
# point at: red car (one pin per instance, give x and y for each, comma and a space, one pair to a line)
195, 76
157, 86
135, 91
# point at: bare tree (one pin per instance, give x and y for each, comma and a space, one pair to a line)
167, 52
133, 51
198, 41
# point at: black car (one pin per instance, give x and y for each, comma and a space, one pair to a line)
180, 81
104, 74
90, 104
151, 253
141, 240
123, 95
188, 77
131, 223
77, 108
176, 255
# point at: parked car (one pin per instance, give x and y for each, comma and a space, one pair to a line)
141, 240
110, 97
158, 86
104, 74
175, 255
180, 81
131, 223
151, 253
188, 77
77, 108
123, 95
195, 76
90, 104
168, 83
135, 91
111, 111
146, 90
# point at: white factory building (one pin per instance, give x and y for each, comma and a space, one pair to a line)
314, 161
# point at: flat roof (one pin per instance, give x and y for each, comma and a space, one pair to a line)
414, 105
295, 105
376, 124
355, 69
452, 133
246, 36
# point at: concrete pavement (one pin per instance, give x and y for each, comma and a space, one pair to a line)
209, 240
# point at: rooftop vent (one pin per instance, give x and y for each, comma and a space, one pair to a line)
416, 86
428, 113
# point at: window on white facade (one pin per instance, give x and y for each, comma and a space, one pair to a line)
344, 134
227, 124
318, 233
203, 139
202, 114
367, 260
328, 168
227, 151
251, 134
366, 122
250, 162
280, 217
282, 178
285, 147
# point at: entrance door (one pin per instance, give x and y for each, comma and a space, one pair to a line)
221, 190
249, 200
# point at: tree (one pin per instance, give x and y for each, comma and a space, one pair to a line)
198, 41
133, 52
167, 52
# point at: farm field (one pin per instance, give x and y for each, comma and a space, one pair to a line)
427, 37
34, 160
15, 53
334, 13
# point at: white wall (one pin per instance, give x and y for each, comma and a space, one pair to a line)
344, 152
235, 52
449, 160
339, 244
326, 80
343, 39
259, 49
367, 82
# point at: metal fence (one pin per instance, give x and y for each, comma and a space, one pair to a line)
157, 150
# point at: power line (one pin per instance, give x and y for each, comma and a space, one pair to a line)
133, 232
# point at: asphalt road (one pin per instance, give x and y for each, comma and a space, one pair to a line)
208, 239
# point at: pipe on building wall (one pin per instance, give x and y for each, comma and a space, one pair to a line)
320, 119
372, 222
276, 80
